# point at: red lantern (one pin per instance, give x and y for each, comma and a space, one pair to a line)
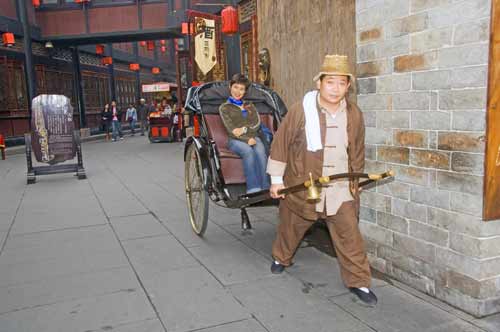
107, 60
81, 1
99, 49
134, 66
155, 70
163, 49
229, 20
163, 42
142, 43
187, 28
36, 3
8, 39
151, 45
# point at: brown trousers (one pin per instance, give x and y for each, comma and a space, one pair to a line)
344, 232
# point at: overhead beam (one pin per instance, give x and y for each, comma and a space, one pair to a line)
114, 37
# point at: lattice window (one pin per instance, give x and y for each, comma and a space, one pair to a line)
246, 10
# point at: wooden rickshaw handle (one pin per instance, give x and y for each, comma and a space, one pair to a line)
326, 179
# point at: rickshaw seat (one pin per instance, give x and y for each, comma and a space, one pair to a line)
231, 164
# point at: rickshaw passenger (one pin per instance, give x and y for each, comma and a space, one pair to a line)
242, 123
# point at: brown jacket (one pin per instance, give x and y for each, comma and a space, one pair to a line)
232, 117
289, 151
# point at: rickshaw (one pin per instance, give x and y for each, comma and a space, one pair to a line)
163, 127
214, 172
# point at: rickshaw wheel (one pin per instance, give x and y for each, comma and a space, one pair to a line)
196, 195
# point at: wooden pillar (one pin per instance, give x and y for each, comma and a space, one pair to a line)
137, 74
29, 68
111, 72
77, 77
491, 199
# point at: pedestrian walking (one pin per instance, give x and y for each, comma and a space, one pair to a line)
131, 117
323, 134
106, 118
142, 114
116, 121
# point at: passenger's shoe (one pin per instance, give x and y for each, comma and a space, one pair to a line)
368, 299
277, 268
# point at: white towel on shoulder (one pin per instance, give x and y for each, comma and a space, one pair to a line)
313, 131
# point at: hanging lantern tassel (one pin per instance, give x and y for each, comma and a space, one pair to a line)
229, 20
8, 39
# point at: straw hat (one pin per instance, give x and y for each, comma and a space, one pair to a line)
335, 65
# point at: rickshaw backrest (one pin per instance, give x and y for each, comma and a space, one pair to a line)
231, 164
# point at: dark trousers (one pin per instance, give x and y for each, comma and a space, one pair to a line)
344, 232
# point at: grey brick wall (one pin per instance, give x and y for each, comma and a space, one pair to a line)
422, 68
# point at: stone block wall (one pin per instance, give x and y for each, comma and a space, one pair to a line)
422, 68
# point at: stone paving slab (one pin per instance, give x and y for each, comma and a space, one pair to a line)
62, 265
3, 237
260, 238
397, 311
491, 323
184, 232
191, 299
282, 305
115, 199
232, 262
224, 217
149, 325
247, 325
139, 226
53, 290
47, 245
53, 207
216, 283
6, 219
321, 272
156, 255
99, 313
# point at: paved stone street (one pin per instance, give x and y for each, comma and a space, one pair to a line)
116, 252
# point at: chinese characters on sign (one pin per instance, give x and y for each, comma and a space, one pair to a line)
53, 127
204, 45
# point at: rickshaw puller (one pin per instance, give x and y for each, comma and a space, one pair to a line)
242, 123
323, 134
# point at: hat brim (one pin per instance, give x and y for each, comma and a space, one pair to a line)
351, 76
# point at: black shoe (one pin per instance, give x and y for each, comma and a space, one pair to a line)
368, 299
277, 268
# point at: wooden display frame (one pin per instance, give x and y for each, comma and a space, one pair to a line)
54, 169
